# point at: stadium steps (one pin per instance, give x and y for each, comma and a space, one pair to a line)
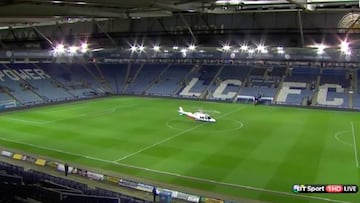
350, 100
12, 96
314, 98
355, 81
206, 92
242, 85
184, 82
37, 94
135, 76
56, 81
317, 85
157, 79
278, 89
103, 79
246, 80
126, 84
97, 79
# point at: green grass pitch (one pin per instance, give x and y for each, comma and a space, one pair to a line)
254, 152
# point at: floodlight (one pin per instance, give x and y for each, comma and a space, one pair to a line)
192, 47
244, 47
141, 48
156, 48
60, 48
344, 48
251, 51
321, 49
226, 47
133, 48
261, 48
73, 49
280, 50
84, 47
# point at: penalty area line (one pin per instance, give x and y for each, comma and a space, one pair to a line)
355, 147
178, 175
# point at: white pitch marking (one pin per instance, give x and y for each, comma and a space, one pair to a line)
63, 109
22, 120
107, 111
355, 148
169, 138
179, 175
341, 141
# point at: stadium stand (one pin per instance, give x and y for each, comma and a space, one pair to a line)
18, 183
19, 89
143, 79
37, 83
114, 74
46, 87
74, 78
335, 76
169, 81
199, 80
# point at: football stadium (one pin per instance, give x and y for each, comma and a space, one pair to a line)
205, 101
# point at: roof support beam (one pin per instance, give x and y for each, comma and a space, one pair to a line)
13, 33
301, 29
106, 34
3, 46
189, 29
160, 21
38, 32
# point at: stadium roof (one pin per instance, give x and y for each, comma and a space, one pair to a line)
25, 12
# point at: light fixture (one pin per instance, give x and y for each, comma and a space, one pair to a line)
60, 48
251, 51
84, 47
141, 48
261, 48
244, 47
73, 49
226, 47
344, 48
192, 47
280, 50
156, 48
320, 49
133, 48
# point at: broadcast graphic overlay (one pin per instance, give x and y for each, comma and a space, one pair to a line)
330, 188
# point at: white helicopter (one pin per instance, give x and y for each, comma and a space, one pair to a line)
198, 116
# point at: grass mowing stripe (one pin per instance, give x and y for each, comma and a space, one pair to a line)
212, 152
171, 137
355, 148
179, 175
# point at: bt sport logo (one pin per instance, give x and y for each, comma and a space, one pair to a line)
325, 188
